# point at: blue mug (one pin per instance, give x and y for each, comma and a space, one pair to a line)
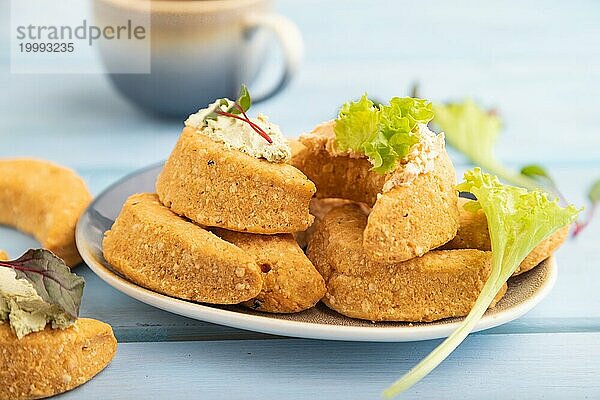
200, 50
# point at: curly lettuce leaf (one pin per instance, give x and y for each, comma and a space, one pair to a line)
356, 125
473, 131
415, 111
381, 154
399, 122
518, 220
384, 133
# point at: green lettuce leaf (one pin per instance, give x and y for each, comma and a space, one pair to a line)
356, 125
535, 171
384, 134
473, 131
518, 220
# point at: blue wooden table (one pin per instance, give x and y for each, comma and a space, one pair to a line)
537, 62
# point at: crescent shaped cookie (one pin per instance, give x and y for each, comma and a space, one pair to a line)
45, 200
438, 285
164, 252
52, 361
291, 282
407, 220
215, 186
473, 234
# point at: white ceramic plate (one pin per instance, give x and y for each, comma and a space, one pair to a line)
524, 291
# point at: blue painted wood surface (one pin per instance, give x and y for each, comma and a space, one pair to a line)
537, 62
484, 367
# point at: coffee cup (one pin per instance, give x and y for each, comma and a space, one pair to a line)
198, 51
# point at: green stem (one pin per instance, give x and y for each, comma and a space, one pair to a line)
439, 354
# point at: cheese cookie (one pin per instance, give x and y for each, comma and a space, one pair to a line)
52, 361
438, 285
164, 252
216, 186
291, 282
44, 200
408, 218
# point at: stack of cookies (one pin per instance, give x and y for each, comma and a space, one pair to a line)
219, 230
391, 242
395, 252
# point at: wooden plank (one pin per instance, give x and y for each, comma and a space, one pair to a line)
549, 366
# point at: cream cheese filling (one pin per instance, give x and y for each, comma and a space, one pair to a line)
23, 308
239, 135
419, 161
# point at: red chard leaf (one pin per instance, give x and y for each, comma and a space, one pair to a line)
51, 278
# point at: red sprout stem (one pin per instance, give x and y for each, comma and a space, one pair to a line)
254, 126
260, 130
226, 114
19, 268
241, 109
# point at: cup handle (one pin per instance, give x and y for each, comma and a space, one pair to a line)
290, 39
